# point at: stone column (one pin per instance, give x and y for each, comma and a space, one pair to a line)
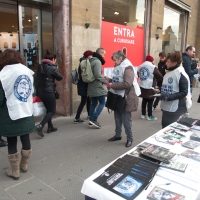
61, 41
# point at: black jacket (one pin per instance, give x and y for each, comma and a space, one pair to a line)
81, 86
187, 62
47, 72
161, 68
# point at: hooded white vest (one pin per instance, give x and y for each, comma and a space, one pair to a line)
117, 76
146, 75
17, 82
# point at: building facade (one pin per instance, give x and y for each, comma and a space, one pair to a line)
70, 27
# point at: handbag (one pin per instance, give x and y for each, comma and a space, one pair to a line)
57, 96
74, 74
116, 102
38, 107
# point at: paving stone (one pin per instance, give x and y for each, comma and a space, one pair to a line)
4, 195
34, 189
70, 187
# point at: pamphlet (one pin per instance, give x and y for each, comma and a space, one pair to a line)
191, 154
103, 80
177, 166
195, 136
159, 193
191, 144
180, 126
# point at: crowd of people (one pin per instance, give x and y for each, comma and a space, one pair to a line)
170, 83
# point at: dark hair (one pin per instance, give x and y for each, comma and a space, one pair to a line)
50, 55
118, 54
189, 48
10, 57
162, 54
175, 56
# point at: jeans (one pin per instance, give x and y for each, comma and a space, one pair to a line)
95, 110
84, 100
144, 104
125, 119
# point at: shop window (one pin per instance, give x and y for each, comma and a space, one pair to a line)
173, 30
124, 12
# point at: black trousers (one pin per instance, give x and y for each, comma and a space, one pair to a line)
169, 117
12, 143
50, 104
157, 99
145, 103
84, 100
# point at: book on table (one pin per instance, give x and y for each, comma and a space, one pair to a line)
158, 152
195, 136
191, 154
180, 126
173, 165
159, 193
191, 144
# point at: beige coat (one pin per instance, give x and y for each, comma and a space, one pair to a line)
132, 99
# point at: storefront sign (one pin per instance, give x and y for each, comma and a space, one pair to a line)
127, 39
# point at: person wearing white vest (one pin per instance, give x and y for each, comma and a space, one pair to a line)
124, 82
16, 109
175, 90
148, 74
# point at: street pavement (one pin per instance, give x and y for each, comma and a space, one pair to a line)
61, 161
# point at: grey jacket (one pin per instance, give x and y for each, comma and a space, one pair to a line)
132, 99
96, 88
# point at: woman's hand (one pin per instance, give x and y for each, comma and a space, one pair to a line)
109, 85
157, 91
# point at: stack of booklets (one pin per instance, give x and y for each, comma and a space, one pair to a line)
189, 122
159, 193
127, 176
170, 136
191, 144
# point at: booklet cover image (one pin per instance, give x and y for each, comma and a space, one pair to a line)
128, 186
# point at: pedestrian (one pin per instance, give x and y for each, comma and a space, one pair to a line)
47, 72
123, 79
175, 89
97, 91
82, 91
161, 68
16, 105
148, 74
187, 65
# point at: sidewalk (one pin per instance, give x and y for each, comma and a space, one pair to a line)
62, 160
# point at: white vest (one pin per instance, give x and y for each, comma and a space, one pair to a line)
146, 75
17, 82
170, 85
118, 74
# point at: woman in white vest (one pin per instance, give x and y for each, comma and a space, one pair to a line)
174, 90
16, 109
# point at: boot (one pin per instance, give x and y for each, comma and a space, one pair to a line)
39, 130
24, 160
51, 129
14, 162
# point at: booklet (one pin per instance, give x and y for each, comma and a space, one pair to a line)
159, 193
177, 166
180, 127
103, 80
191, 144
191, 154
195, 136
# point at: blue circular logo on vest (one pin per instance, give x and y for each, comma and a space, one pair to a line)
170, 80
22, 88
144, 73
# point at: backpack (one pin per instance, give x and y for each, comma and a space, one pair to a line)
86, 71
74, 74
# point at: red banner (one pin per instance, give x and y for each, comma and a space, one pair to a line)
129, 40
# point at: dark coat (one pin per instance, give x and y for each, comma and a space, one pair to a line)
187, 62
148, 93
161, 68
81, 86
47, 70
9, 127
132, 99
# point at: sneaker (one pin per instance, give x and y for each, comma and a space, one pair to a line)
3, 143
90, 125
153, 109
151, 118
78, 121
95, 123
143, 117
